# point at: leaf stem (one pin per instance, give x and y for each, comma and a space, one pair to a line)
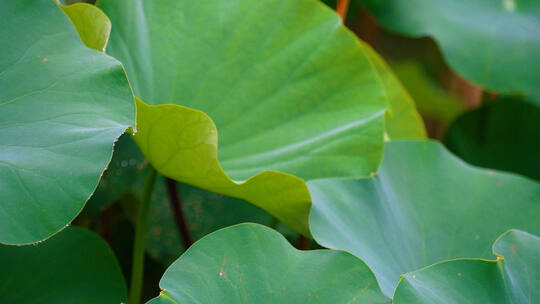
176, 204
341, 8
137, 266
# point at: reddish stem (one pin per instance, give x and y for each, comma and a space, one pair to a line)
176, 204
341, 8
303, 243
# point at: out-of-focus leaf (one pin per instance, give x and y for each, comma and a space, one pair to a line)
513, 278
205, 212
250, 263
423, 206
494, 44
503, 135
74, 266
124, 176
431, 100
62, 106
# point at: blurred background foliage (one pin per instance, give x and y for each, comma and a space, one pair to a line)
484, 128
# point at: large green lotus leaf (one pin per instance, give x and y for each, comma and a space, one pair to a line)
62, 106
293, 91
513, 278
74, 266
423, 206
485, 41
250, 263
502, 135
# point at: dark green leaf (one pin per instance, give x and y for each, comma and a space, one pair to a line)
503, 135
74, 266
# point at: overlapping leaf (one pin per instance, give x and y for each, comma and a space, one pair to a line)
423, 206
93, 26
485, 41
513, 278
75, 265
503, 135
205, 211
250, 263
62, 106
292, 91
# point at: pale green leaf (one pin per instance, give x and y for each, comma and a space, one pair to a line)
423, 206
513, 278
91, 23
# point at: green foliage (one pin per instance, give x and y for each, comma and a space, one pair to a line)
93, 26
205, 211
424, 206
75, 264
318, 121
316, 137
251, 263
61, 108
431, 100
502, 135
512, 278
485, 41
